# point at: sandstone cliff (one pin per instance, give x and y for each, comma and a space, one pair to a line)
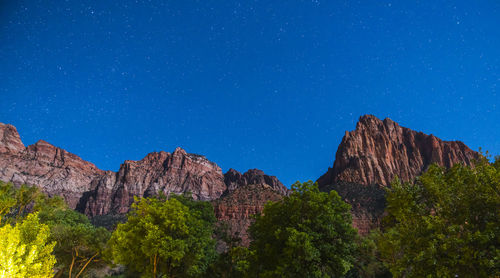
377, 151
54, 170
168, 173
236, 207
96, 192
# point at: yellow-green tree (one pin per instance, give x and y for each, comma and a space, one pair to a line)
25, 250
447, 224
79, 245
165, 238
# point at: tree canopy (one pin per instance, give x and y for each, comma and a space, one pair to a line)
165, 238
25, 249
80, 245
445, 224
307, 234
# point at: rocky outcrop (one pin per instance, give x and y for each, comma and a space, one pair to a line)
377, 151
168, 173
235, 179
54, 170
97, 192
236, 207
10, 141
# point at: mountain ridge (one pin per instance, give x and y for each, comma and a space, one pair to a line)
366, 161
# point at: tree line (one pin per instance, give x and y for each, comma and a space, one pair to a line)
445, 224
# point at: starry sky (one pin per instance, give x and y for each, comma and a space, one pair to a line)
249, 84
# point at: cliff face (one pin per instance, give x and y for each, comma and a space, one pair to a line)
97, 192
246, 196
236, 207
168, 173
367, 160
377, 151
235, 179
54, 170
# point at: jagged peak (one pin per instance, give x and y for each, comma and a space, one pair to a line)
10, 141
232, 171
255, 171
179, 151
379, 150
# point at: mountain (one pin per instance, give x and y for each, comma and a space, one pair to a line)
377, 151
54, 170
168, 173
96, 192
367, 160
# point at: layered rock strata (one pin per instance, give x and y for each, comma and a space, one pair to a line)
377, 151
109, 194
236, 208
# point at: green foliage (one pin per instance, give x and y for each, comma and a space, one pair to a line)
367, 263
79, 245
166, 237
25, 249
446, 224
307, 234
14, 202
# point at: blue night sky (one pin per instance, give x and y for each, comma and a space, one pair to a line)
252, 84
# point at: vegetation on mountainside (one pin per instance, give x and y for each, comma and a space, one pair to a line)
447, 224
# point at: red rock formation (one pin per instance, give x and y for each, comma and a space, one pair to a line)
372, 155
97, 192
236, 207
234, 179
378, 151
169, 173
54, 170
10, 142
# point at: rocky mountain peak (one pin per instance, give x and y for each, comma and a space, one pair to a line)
377, 151
10, 141
235, 179
372, 155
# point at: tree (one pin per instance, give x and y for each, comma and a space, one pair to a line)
367, 263
165, 237
307, 234
445, 224
25, 250
80, 245
234, 261
14, 201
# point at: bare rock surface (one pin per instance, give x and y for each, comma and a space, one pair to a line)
236, 207
235, 179
158, 172
377, 151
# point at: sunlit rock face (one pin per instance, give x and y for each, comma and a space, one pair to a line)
375, 153
97, 192
367, 160
54, 170
158, 172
